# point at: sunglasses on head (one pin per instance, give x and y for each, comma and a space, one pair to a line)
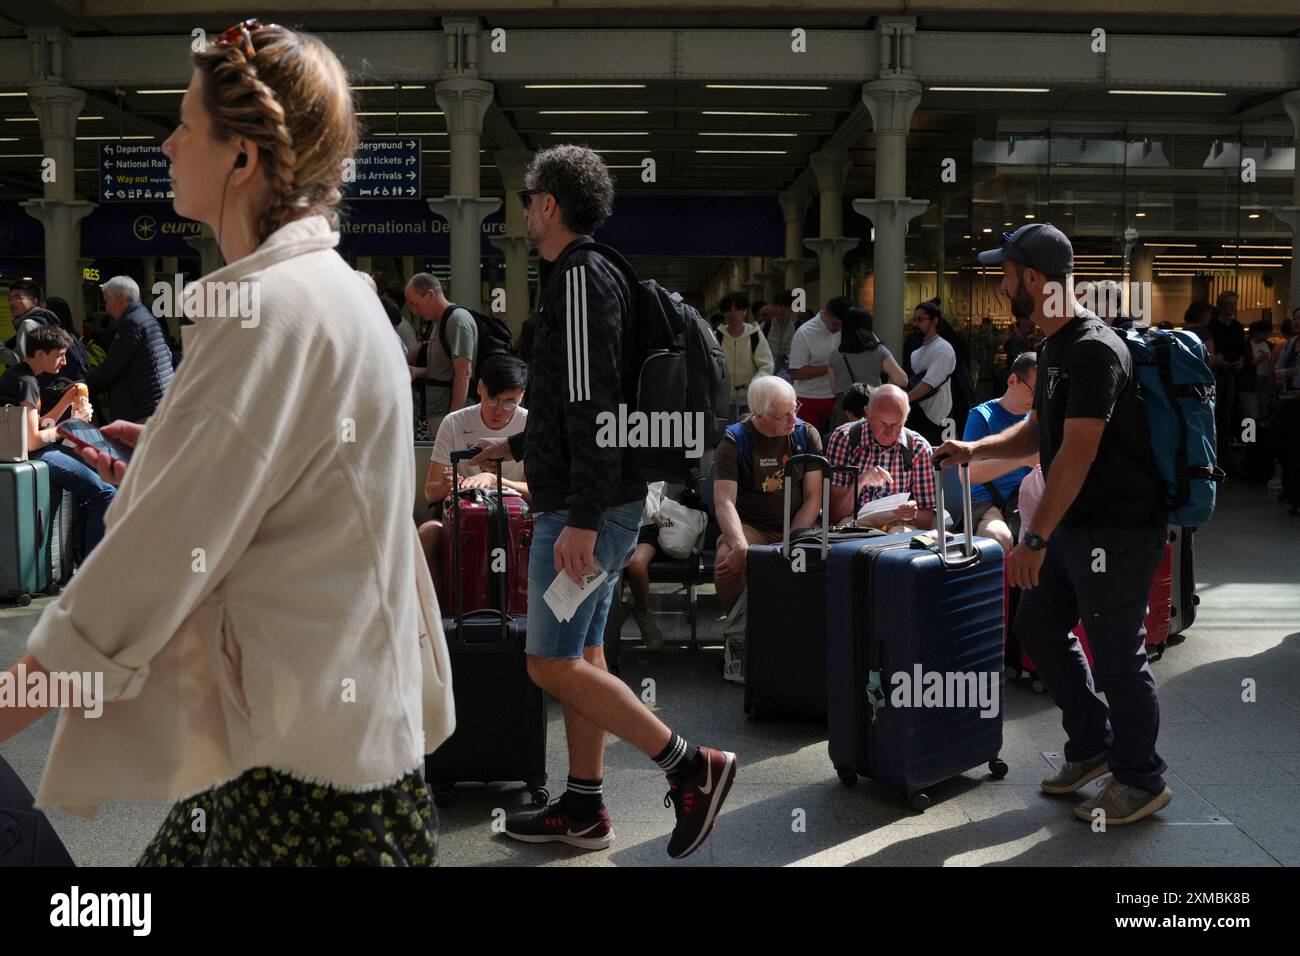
242, 31
1009, 240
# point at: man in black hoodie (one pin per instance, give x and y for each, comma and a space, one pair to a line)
587, 501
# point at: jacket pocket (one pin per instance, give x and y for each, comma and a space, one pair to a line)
231, 670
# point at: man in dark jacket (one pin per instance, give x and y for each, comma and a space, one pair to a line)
138, 367
1228, 362
588, 503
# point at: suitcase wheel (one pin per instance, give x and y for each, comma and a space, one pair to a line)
24, 599
541, 796
847, 777
1013, 672
919, 802
1038, 687
998, 768
54, 588
444, 797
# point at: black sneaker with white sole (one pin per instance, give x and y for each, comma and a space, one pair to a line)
698, 800
552, 824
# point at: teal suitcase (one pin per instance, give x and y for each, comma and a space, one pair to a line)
24, 530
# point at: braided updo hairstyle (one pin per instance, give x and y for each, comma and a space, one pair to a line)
293, 100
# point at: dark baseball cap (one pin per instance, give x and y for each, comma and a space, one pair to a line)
1038, 245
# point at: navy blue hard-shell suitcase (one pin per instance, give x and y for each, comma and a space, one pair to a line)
898, 613
785, 626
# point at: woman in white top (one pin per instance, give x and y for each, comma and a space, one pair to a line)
270, 647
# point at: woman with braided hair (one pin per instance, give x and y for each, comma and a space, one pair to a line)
259, 609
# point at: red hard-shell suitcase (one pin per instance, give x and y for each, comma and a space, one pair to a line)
1157, 624
479, 512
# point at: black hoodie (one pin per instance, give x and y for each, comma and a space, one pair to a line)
583, 352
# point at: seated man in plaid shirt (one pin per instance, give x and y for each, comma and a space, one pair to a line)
889, 459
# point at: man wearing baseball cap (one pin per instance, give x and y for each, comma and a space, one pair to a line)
1096, 539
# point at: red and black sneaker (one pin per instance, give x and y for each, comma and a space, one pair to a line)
552, 824
698, 800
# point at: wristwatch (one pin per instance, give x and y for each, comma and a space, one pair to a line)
1033, 542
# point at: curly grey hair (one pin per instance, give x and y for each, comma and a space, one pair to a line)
580, 182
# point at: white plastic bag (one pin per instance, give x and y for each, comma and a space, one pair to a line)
1031, 493
680, 528
654, 496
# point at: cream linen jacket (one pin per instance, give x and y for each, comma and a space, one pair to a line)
260, 559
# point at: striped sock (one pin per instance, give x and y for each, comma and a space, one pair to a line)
583, 799
679, 759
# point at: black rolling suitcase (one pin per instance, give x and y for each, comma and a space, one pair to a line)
898, 614
1182, 609
785, 624
500, 713
26, 837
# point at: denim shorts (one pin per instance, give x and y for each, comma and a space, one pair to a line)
616, 539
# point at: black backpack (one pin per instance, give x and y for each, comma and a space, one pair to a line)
493, 339
680, 368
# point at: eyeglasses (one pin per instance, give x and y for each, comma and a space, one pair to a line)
787, 417
243, 30
526, 196
504, 406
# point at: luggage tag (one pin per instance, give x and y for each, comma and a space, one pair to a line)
925, 540
875, 695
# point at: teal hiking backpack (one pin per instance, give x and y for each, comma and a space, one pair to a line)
1176, 388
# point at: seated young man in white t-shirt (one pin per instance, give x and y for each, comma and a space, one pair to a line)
498, 414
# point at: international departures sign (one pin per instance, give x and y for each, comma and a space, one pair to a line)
133, 172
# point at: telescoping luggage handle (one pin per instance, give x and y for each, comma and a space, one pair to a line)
967, 552
826, 500
458, 599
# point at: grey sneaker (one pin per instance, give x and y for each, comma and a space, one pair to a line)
1123, 804
1076, 774
654, 637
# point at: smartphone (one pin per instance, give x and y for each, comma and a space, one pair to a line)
85, 435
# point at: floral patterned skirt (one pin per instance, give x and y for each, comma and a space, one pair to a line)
267, 818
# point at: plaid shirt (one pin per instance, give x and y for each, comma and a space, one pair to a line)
919, 481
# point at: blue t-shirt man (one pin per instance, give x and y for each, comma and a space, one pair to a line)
990, 418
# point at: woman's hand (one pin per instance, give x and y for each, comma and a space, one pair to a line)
109, 468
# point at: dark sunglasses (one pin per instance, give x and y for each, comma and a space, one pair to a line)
244, 30
526, 196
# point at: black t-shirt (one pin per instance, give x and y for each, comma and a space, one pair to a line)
18, 386
1085, 371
